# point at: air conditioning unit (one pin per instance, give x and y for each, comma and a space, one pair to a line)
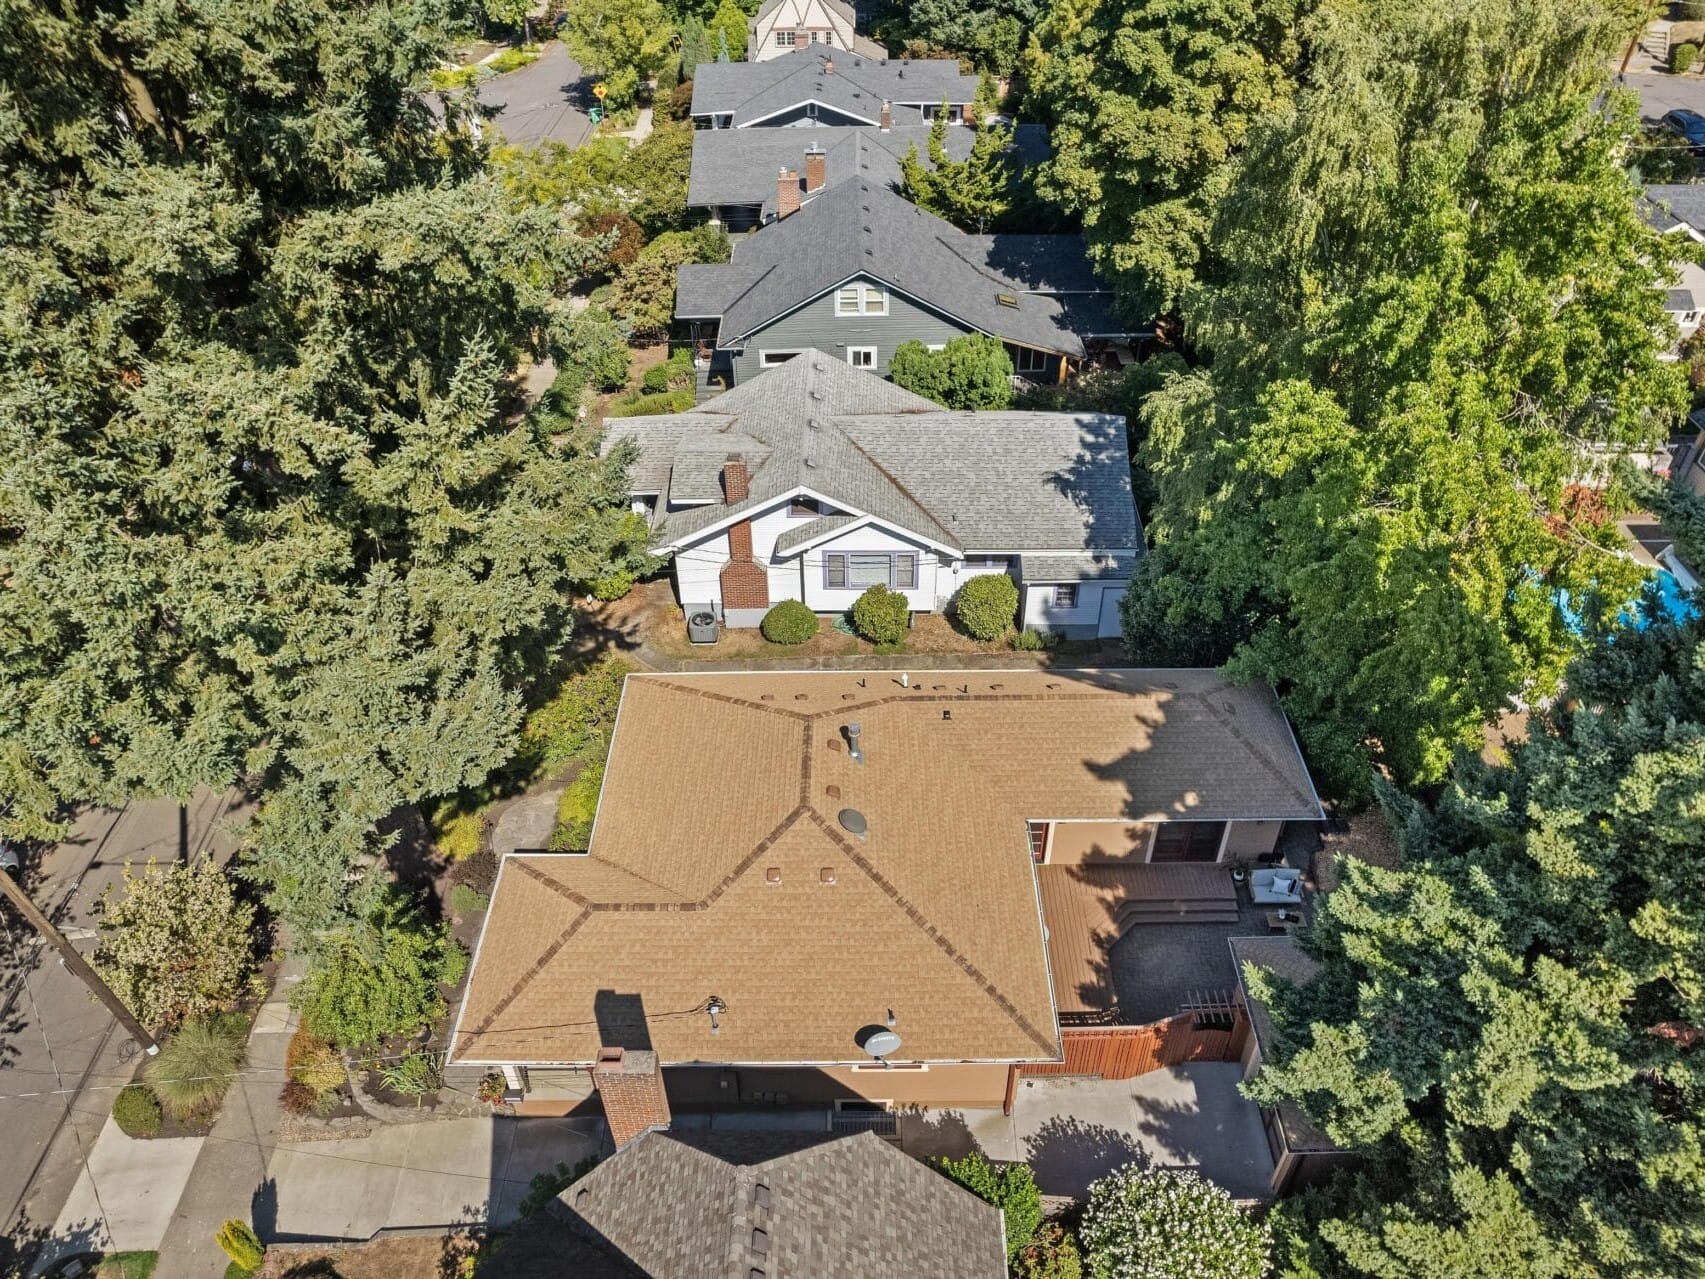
701, 626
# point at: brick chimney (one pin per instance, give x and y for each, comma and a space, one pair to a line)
816, 168
744, 582
787, 192
887, 116
630, 1084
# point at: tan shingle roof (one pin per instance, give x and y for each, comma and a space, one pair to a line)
716, 780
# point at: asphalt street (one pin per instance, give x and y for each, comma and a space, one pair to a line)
542, 102
1660, 93
56, 1041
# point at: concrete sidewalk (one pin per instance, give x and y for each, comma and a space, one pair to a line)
439, 1173
230, 1177
125, 1195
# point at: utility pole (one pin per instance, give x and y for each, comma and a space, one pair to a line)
14, 892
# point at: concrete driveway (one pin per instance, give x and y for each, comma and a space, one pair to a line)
1073, 1131
544, 101
432, 1174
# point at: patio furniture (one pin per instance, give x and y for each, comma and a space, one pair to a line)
1282, 921
1278, 887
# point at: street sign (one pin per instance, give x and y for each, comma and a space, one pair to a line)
598, 91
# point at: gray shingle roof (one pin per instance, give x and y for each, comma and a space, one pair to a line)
1667, 206
1677, 301
691, 1205
857, 86
1005, 481
739, 166
822, 526
858, 228
1077, 568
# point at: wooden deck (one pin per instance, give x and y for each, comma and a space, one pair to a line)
1089, 907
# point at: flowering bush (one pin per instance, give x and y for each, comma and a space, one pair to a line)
177, 945
1163, 1224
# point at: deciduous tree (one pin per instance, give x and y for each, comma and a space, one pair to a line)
621, 41
1509, 1026
970, 372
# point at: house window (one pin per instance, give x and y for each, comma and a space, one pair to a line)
861, 299
1029, 360
1065, 596
769, 359
861, 357
784, 39
989, 563
802, 508
860, 570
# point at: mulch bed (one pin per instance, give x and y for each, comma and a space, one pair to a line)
409, 1256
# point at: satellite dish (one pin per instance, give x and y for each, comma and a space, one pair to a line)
884, 1043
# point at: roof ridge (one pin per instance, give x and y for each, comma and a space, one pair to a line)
899, 488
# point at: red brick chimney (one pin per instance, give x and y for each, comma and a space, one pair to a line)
745, 584
630, 1084
816, 168
787, 192
887, 116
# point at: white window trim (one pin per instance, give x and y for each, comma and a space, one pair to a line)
1076, 588
864, 294
784, 39
861, 350
1030, 360
782, 357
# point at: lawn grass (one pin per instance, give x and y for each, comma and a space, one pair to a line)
127, 1265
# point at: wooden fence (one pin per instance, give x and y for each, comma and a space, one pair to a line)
1121, 1052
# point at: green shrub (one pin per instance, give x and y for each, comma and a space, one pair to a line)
879, 615
1682, 57
465, 901
789, 622
577, 721
513, 59
987, 605
1690, 11
970, 372
671, 375
1011, 1188
1150, 1223
575, 809
178, 944
612, 586
310, 1060
1029, 641
1052, 1254
137, 1111
451, 79
415, 1076
198, 1063
378, 976
457, 832
680, 401
241, 1244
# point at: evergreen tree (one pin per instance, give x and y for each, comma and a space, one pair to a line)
1441, 290
264, 511
973, 193
1511, 1026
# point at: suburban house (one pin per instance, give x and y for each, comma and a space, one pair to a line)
815, 481
823, 86
743, 178
752, 1205
782, 26
839, 893
857, 269
1303, 1155
1679, 210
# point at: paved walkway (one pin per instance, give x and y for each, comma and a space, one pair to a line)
1073, 1131
438, 1173
124, 1197
230, 1176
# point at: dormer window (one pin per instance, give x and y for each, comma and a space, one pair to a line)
803, 508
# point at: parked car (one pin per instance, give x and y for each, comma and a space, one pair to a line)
1689, 124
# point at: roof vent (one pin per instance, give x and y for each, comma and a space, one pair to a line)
852, 821
853, 748
832, 791
815, 393
811, 464
826, 875
772, 875
760, 1242
1007, 299
814, 424
761, 1195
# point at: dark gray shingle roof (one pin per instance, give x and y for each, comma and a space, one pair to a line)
739, 166
857, 228
1667, 206
1008, 481
709, 1204
857, 86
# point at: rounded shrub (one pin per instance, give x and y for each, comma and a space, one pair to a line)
296, 1098
789, 622
987, 605
879, 615
137, 1111
1682, 58
1154, 1224
612, 586
1029, 641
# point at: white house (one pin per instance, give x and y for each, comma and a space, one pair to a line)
815, 480
781, 26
